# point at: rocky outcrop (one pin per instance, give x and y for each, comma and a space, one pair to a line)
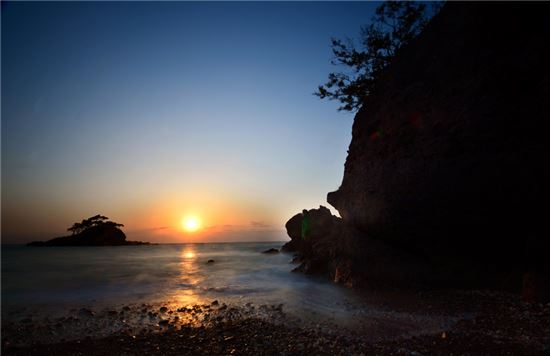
95, 236
294, 231
316, 247
447, 159
323, 223
345, 255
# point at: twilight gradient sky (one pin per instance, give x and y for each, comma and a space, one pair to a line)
148, 112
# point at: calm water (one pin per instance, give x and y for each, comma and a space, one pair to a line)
62, 277
45, 282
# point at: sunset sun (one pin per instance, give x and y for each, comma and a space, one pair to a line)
191, 223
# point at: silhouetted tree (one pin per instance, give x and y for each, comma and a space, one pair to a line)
96, 220
394, 24
75, 229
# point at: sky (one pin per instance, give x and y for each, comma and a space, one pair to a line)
149, 113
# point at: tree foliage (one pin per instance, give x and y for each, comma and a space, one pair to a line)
97, 220
394, 24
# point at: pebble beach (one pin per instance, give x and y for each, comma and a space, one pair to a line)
495, 323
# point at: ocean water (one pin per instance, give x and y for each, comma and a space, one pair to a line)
52, 280
59, 277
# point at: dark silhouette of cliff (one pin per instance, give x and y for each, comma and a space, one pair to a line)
94, 231
447, 164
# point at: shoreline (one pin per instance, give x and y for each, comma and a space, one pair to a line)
484, 323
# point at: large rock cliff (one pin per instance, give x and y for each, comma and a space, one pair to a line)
448, 158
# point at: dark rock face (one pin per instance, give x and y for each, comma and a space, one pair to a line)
294, 230
446, 159
315, 248
345, 255
94, 236
446, 174
322, 223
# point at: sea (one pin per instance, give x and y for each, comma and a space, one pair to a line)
52, 280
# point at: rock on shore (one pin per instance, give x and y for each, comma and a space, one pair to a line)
446, 163
345, 255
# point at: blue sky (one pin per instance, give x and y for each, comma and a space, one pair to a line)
145, 112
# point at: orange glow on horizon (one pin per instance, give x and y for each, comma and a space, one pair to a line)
195, 216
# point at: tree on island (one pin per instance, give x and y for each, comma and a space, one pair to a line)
394, 24
97, 230
94, 221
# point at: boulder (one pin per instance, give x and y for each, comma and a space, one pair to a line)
321, 223
294, 230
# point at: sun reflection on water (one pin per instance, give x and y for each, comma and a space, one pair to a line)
189, 278
189, 252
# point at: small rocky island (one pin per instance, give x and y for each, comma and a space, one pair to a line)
97, 230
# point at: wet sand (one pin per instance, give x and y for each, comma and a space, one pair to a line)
443, 322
